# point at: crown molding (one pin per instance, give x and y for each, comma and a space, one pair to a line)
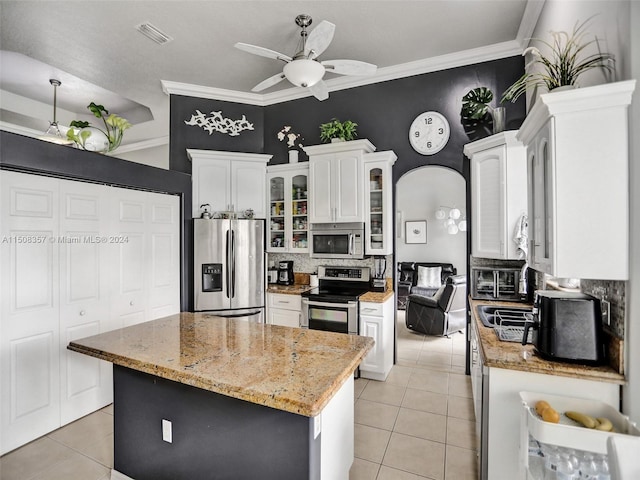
529, 21
428, 65
144, 144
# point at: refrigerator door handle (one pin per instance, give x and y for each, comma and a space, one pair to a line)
233, 263
227, 272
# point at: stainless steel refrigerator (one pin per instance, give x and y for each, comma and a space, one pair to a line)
229, 267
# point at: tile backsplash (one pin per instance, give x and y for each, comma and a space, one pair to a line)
304, 263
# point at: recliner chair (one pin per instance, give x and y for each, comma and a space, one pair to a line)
442, 314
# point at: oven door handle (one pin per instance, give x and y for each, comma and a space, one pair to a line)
313, 303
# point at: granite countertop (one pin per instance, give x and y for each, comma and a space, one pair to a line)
291, 369
288, 289
509, 355
379, 297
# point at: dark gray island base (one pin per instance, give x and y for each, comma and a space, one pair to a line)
214, 436
198, 396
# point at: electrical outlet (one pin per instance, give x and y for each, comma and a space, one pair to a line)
606, 312
167, 434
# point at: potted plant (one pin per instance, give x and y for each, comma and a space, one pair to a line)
294, 141
475, 106
562, 67
335, 129
114, 126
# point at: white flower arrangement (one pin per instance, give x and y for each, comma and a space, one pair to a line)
290, 137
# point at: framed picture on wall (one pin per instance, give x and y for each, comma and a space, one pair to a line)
415, 232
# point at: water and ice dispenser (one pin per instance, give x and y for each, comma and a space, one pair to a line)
212, 277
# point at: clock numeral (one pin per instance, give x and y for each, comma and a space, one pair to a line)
428, 120
416, 134
428, 144
440, 130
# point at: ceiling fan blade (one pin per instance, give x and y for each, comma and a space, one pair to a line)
320, 90
263, 52
319, 38
269, 82
349, 67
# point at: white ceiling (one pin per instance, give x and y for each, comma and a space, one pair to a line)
94, 49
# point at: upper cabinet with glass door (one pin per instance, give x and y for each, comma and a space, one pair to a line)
578, 169
287, 221
378, 202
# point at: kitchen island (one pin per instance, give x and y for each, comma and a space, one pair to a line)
200, 396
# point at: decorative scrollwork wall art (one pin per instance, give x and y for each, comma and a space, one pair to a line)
215, 122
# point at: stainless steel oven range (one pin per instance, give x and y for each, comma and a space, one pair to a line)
333, 305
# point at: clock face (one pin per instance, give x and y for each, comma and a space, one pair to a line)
429, 133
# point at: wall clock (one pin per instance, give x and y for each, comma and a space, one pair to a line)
429, 133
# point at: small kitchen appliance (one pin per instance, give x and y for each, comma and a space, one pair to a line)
496, 283
285, 272
337, 240
272, 273
567, 326
378, 280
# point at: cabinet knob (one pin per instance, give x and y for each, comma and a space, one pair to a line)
82, 313
131, 303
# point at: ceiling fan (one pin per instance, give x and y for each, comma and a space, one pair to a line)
304, 69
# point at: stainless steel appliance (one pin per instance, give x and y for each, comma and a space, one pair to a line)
333, 304
337, 240
496, 283
378, 280
567, 326
229, 267
285, 272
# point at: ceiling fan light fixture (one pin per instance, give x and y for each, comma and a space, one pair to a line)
304, 72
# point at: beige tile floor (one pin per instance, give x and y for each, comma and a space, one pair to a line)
417, 424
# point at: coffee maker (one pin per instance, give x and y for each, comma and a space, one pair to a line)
285, 272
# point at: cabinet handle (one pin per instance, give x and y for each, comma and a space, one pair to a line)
82, 313
286, 302
368, 309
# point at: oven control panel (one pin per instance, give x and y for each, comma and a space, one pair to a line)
355, 274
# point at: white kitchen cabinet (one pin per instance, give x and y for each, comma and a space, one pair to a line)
287, 201
284, 309
498, 194
378, 202
578, 169
228, 181
335, 181
69, 252
376, 321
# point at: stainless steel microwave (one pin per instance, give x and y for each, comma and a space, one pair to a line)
337, 240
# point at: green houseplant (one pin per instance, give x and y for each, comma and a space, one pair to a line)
476, 106
114, 127
336, 129
563, 65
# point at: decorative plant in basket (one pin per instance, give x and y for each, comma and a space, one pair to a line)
114, 127
336, 129
563, 65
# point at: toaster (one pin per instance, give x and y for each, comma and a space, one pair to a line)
567, 326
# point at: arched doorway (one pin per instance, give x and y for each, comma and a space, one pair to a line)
423, 195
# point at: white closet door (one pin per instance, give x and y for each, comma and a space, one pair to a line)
129, 279
29, 323
163, 255
84, 296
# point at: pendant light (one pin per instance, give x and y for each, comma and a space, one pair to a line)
53, 133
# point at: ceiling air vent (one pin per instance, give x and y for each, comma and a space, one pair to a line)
154, 33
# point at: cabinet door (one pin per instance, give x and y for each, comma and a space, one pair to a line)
29, 321
286, 318
347, 182
371, 326
248, 180
211, 181
163, 244
321, 189
299, 224
540, 164
377, 208
85, 382
488, 184
277, 237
